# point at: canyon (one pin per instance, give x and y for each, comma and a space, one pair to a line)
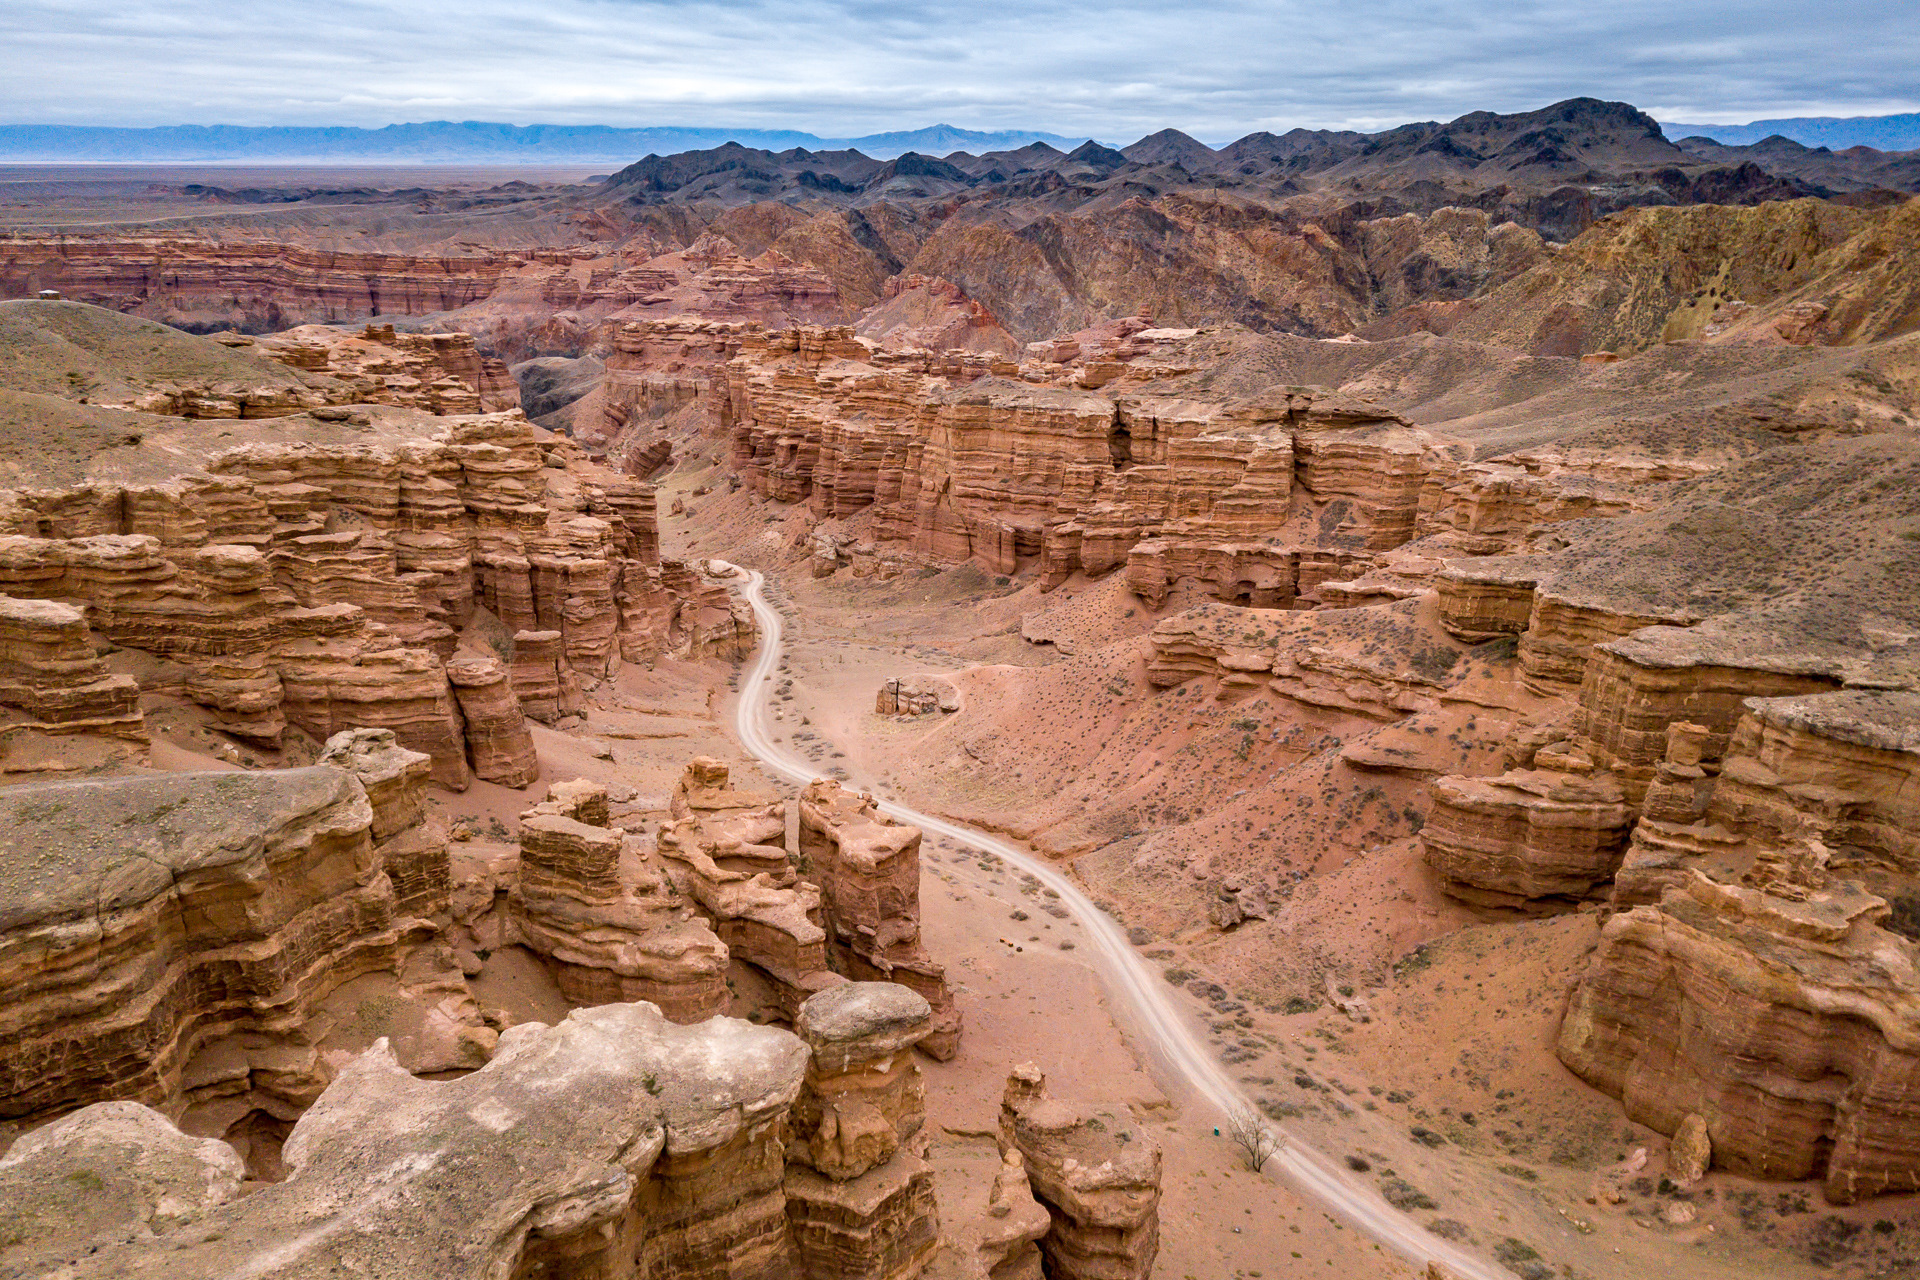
791, 715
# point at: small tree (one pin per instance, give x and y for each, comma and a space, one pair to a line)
1257, 1143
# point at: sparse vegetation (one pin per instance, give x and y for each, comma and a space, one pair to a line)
1257, 1143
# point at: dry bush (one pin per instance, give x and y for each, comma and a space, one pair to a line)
1258, 1144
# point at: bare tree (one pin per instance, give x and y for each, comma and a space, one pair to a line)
1257, 1143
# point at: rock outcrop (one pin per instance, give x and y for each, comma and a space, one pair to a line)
868, 870
859, 1189
1525, 837
610, 922
171, 939
1659, 633
1765, 985
53, 685
1097, 1176
916, 696
440, 373
623, 916
726, 851
1004, 1243
615, 1144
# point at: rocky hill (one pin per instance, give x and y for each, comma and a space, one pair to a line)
1314, 233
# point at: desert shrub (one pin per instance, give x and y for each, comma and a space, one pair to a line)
1404, 1196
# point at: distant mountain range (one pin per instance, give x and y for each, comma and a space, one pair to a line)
480, 142
1882, 133
467, 142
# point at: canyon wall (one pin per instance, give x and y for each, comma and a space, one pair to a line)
171, 940
1625, 603
191, 947
252, 286
387, 562
1112, 449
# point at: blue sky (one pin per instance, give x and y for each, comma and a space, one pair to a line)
842, 67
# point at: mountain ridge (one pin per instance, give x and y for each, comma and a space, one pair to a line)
467, 141
1882, 133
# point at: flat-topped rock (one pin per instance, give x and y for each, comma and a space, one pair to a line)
874, 1018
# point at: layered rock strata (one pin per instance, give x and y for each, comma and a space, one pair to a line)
1097, 1176
252, 285
616, 1145
171, 939
868, 870
859, 1189
324, 586
1110, 450
1526, 836
1765, 982
441, 373
726, 851
53, 684
622, 915
1659, 635
610, 923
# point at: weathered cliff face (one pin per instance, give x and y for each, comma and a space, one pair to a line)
868, 870
172, 939
517, 301
349, 567
259, 286
1765, 985
1525, 836
437, 372
54, 686
1592, 611
615, 1144
1184, 454
1265, 497
1097, 1176
727, 852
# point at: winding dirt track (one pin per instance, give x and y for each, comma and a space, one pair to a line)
1183, 1057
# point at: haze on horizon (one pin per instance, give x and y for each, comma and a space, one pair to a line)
1217, 69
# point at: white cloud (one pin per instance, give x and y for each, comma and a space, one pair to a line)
1217, 68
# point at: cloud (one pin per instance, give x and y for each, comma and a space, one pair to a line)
1117, 70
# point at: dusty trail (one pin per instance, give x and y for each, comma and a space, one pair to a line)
1182, 1056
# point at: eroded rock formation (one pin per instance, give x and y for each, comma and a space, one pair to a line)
172, 939
1097, 1176
324, 575
612, 925
868, 870
625, 916
53, 685
437, 372
1766, 983
615, 1144
859, 1189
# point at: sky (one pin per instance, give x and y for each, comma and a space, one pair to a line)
1116, 70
